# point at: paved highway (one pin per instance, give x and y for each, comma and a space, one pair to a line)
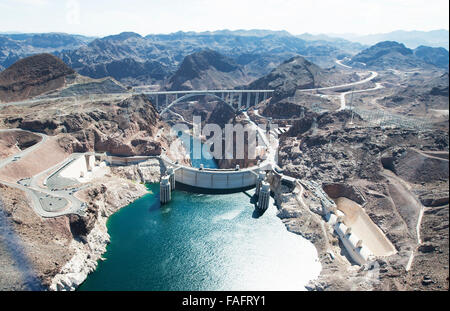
342, 96
73, 205
373, 75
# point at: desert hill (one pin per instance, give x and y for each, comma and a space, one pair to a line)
207, 69
33, 76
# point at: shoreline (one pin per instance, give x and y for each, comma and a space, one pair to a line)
301, 212
127, 184
86, 255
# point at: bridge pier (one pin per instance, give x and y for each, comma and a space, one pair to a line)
248, 100
240, 101
264, 196
157, 102
256, 98
165, 191
231, 99
265, 96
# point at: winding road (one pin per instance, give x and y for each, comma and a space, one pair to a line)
373, 75
343, 95
73, 205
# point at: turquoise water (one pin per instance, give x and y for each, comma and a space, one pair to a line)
201, 242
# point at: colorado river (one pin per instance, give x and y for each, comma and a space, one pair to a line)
202, 242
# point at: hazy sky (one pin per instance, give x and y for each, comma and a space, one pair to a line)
104, 17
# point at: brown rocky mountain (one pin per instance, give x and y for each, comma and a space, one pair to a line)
33, 76
299, 73
391, 54
207, 69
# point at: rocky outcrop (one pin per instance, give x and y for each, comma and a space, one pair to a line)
120, 127
10, 141
337, 190
90, 233
145, 172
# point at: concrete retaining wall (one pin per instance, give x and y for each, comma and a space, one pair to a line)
78, 168
123, 161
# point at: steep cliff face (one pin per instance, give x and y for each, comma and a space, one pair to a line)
126, 129
123, 127
32, 76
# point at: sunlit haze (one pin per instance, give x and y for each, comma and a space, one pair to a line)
104, 17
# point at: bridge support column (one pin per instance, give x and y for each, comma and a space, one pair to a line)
256, 98
231, 99
167, 100
265, 96
248, 100
264, 196
157, 102
240, 101
165, 194
223, 96
171, 174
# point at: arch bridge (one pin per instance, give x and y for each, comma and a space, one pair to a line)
236, 99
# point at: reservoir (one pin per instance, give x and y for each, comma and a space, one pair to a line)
202, 242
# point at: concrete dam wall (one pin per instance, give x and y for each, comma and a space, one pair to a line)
215, 179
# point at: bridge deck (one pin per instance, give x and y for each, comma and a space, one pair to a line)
203, 92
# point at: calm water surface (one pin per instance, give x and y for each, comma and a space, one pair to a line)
202, 242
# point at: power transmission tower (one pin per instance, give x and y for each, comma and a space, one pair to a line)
351, 105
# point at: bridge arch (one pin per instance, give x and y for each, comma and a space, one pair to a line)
187, 96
